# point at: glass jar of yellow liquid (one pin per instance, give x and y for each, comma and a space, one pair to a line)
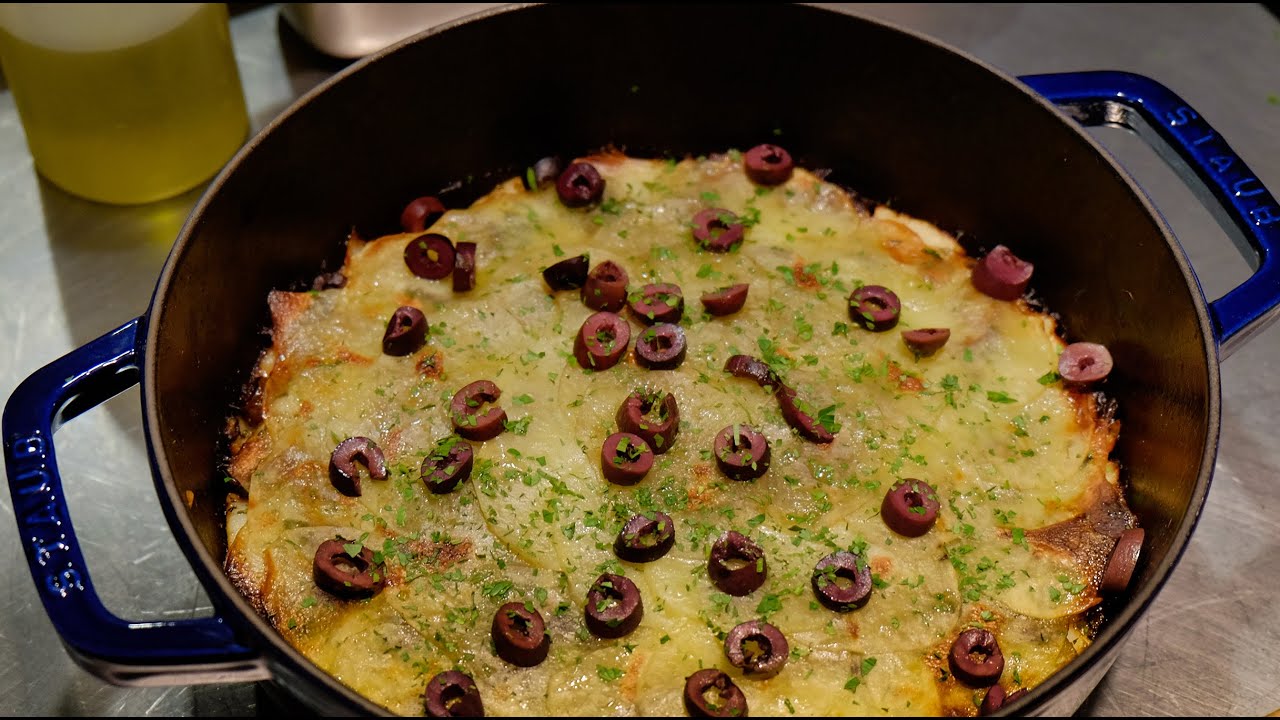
124, 103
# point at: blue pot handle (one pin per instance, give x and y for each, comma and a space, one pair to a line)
1240, 202
120, 651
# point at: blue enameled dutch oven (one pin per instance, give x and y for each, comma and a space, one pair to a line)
895, 115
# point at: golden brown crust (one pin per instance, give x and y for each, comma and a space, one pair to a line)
286, 307
246, 456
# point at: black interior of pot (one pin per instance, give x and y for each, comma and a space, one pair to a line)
895, 117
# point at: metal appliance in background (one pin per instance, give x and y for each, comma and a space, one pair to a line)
353, 30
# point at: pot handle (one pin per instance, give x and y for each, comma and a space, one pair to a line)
155, 653
1234, 194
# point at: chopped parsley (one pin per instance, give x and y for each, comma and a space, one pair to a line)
498, 589
609, 674
768, 605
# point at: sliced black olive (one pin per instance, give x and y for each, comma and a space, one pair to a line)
657, 302
406, 332
605, 287
717, 230
653, 416
711, 693
992, 701
742, 452
1123, 561
601, 341
726, 300
645, 539
757, 648
842, 581
344, 472
448, 465
910, 507
430, 256
420, 213
625, 458
1001, 274
465, 411
453, 694
661, 347
350, 577
464, 267
753, 368
874, 307
520, 635
614, 606
1083, 363
568, 274
975, 658
800, 416
996, 698
768, 164
580, 185
737, 564
926, 341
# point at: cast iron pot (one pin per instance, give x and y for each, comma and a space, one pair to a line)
895, 116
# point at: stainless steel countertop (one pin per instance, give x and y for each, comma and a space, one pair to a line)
72, 270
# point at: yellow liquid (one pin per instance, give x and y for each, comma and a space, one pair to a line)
134, 123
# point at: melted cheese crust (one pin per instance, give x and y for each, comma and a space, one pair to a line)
1031, 503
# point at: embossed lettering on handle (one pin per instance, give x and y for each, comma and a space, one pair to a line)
32, 501
123, 652
1240, 202
1228, 169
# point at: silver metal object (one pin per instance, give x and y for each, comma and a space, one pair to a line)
1207, 646
352, 30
